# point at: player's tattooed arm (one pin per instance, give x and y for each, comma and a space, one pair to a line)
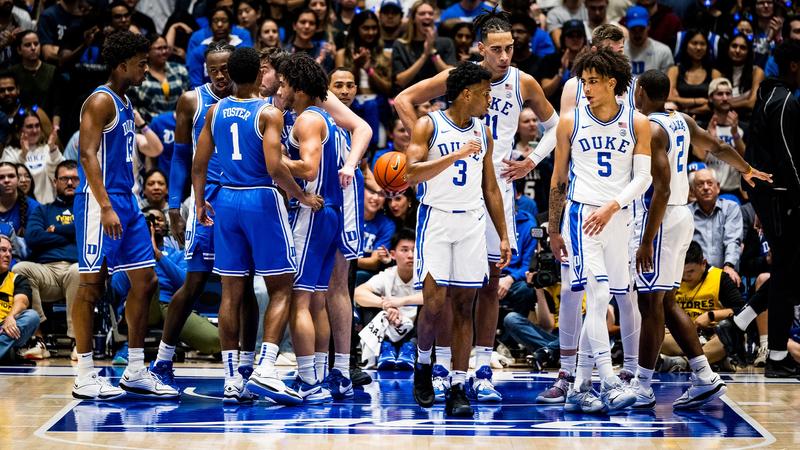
558, 185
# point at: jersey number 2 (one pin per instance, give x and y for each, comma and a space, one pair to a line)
604, 161
237, 154
461, 179
680, 141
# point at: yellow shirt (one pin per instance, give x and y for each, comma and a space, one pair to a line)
702, 298
7, 296
555, 293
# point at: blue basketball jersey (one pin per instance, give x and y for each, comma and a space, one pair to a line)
205, 99
288, 123
239, 142
327, 182
117, 148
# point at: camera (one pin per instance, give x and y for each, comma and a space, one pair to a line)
545, 268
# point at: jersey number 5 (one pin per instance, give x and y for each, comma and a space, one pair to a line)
461, 179
604, 161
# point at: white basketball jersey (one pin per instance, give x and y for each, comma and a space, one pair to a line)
679, 137
503, 116
626, 97
459, 187
601, 158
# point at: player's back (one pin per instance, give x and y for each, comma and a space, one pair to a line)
327, 182
239, 143
206, 98
502, 118
117, 148
458, 187
679, 139
601, 158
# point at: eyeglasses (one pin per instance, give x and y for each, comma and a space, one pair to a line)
75, 180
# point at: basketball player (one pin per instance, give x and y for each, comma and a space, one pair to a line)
190, 117
112, 232
510, 88
314, 160
252, 233
604, 149
450, 158
663, 230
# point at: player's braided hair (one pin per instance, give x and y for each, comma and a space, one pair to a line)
464, 75
607, 63
121, 46
494, 21
302, 73
21, 203
218, 47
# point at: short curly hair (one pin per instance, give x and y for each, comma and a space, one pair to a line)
274, 56
244, 65
464, 75
607, 63
302, 73
122, 46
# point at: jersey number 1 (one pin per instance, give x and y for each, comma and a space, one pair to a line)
237, 154
491, 122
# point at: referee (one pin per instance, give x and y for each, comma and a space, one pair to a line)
774, 147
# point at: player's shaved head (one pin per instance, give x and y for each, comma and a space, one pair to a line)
655, 84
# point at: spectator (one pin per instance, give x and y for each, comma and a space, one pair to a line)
378, 232
11, 109
53, 267
305, 25
344, 15
717, 223
26, 184
391, 19
766, 31
569, 10
120, 14
463, 11
402, 208
522, 29
555, 69
513, 292
206, 29
33, 151
420, 53
163, 125
154, 193
464, 39
791, 32
689, 79
392, 291
248, 15
323, 9
724, 124
268, 35
663, 22
536, 184
163, 84
35, 77
221, 20
142, 21
398, 140
745, 76
18, 323
364, 52
597, 11
644, 52
53, 24
708, 295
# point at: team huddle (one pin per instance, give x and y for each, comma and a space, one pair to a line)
275, 158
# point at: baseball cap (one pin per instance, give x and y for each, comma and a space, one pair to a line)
716, 83
637, 16
573, 25
387, 5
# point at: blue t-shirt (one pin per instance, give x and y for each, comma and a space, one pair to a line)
12, 216
163, 125
541, 43
526, 246
458, 12
378, 233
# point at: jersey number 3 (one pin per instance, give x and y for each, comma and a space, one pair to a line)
461, 178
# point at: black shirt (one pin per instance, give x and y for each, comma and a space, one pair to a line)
53, 24
405, 55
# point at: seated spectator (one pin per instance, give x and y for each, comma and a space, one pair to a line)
52, 269
463, 11
391, 19
378, 232
343, 18
790, 31
142, 21
391, 292
268, 35
513, 292
60, 16
689, 79
206, 30
10, 27
544, 332
119, 16
708, 295
745, 76
220, 20
163, 84
155, 191
717, 223
26, 184
17, 322
663, 22
12, 109
536, 184
398, 140
38, 156
15, 207
36, 77
644, 52
421, 53
522, 29
569, 10
464, 40
302, 40
724, 124
248, 16
555, 69
198, 333
323, 9
402, 208
766, 30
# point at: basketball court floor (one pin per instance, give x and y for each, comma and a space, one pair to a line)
37, 411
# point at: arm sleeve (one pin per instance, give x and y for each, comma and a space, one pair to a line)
729, 295
732, 234
640, 182
179, 173
548, 142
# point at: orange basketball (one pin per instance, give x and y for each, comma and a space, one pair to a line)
390, 171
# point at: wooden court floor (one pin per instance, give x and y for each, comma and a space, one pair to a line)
37, 411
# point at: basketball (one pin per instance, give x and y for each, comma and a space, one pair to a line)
390, 171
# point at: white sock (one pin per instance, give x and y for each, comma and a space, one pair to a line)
165, 352
763, 340
268, 356
424, 356
569, 362
320, 365
246, 359
341, 362
700, 367
458, 377
585, 366
230, 360
630, 322
745, 316
595, 327
305, 366
778, 355
444, 357
645, 376
85, 364
483, 356
135, 359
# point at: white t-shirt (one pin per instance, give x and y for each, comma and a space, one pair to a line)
388, 283
652, 55
41, 163
560, 14
729, 178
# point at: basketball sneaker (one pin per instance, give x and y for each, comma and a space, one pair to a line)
388, 357
38, 351
441, 382
457, 403
406, 356
339, 386
645, 397
146, 384
423, 385
312, 394
165, 373
483, 387
557, 392
267, 385
615, 395
236, 391
583, 400
121, 356
95, 387
701, 392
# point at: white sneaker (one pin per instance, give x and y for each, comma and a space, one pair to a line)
95, 387
584, 399
615, 395
39, 351
267, 385
701, 392
145, 383
761, 356
236, 391
645, 397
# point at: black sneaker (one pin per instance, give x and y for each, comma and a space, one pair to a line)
732, 339
423, 385
456, 402
359, 377
785, 368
